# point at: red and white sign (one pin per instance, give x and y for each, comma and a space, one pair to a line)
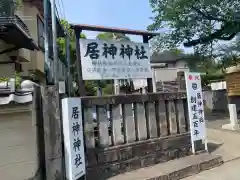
195, 106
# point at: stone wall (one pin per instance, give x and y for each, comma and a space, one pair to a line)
18, 137
105, 163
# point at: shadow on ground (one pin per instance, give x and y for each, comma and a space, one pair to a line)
213, 147
215, 120
214, 116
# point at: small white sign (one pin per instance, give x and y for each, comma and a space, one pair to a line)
195, 106
73, 138
114, 60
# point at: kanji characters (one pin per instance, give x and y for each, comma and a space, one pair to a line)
76, 128
78, 160
128, 51
76, 144
111, 50
75, 113
140, 53
92, 50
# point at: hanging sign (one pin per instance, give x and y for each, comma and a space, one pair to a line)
73, 138
195, 107
114, 60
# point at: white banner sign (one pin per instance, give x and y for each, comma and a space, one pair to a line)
73, 138
195, 106
114, 60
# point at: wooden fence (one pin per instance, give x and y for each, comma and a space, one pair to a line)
133, 123
129, 132
129, 118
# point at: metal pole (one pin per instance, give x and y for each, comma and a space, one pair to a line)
47, 65
81, 86
69, 79
54, 33
149, 80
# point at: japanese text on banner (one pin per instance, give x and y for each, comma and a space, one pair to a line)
195, 106
73, 138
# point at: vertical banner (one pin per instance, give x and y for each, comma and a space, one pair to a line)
195, 108
73, 138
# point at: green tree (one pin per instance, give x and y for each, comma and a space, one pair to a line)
113, 36
194, 22
89, 85
72, 38
229, 55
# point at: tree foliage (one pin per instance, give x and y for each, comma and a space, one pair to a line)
72, 46
91, 86
113, 36
72, 42
194, 22
229, 55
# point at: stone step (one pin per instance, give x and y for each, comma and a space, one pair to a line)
175, 169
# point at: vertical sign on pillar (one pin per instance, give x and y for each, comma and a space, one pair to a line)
73, 138
195, 108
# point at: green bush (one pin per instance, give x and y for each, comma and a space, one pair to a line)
17, 78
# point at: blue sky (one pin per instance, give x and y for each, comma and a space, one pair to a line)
132, 14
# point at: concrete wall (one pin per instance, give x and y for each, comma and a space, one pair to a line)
181, 64
6, 70
167, 74
216, 100
18, 150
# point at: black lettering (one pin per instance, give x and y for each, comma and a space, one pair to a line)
194, 107
112, 50
78, 160
194, 86
76, 144
193, 99
75, 113
195, 124
92, 50
196, 132
76, 128
128, 51
140, 53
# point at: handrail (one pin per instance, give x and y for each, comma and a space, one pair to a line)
8, 16
15, 20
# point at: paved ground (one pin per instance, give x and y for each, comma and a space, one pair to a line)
228, 171
226, 144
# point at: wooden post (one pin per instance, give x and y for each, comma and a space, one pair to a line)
149, 80
81, 86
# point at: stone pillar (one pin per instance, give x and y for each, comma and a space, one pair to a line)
234, 124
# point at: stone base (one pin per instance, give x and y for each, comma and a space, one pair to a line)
105, 163
173, 170
232, 127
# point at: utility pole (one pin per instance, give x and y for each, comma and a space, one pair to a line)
55, 53
47, 65
69, 79
56, 76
